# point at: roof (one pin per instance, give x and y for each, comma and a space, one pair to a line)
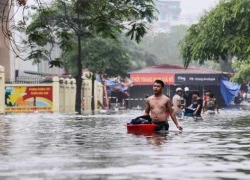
174, 69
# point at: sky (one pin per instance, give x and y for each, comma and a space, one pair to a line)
189, 7
196, 7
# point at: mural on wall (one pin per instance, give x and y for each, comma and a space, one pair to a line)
28, 99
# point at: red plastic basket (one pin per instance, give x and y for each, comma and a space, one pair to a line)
141, 127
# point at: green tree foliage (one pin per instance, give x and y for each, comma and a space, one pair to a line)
221, 34
242, 70
105, 57
101, 56
83, 19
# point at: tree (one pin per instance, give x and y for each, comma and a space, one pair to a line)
221, 34
242, 70
105, 57
83, 18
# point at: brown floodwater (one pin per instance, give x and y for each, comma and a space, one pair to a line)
63, 147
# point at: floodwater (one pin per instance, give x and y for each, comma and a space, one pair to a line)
63, 147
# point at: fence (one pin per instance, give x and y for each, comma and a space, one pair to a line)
56, 95
128, 103
87, 94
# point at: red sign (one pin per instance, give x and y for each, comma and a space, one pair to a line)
148, 79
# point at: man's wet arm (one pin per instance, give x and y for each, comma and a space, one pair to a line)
169, 107
147, 109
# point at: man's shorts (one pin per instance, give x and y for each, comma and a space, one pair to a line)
162, 126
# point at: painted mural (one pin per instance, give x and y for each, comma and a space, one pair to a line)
28, 99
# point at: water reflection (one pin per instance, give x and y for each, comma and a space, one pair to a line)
43, 146
156, 138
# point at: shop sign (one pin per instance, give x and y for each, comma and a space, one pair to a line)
148, 79
197, 79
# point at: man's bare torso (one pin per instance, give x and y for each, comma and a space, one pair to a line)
159, 105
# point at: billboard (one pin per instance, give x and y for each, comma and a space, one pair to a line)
197, 79
24, 99
148, 79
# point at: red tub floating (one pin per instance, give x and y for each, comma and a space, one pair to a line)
141, 127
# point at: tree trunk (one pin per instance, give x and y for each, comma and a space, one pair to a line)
93, 92
105, 91
79, 76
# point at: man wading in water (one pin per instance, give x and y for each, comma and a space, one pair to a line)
158, 104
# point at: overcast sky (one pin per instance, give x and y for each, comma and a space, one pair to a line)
196, 7
190, 9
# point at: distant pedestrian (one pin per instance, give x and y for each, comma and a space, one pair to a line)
206, 95
187, 97
177, 105
210, 105
197, 104
244, 88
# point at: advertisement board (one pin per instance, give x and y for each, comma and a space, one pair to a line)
28, 99
148, 79
197, 79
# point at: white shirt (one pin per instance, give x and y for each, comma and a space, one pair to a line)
176, 103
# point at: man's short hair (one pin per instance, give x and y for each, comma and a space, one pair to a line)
159, 82
196, 92
211, 95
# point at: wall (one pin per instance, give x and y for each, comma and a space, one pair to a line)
87, 94
57, 96
7, 57
2, 91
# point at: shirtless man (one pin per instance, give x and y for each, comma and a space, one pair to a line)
158, 104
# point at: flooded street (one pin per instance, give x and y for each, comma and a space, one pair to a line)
50, 146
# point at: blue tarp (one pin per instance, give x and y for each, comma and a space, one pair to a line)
112, 85
228, 90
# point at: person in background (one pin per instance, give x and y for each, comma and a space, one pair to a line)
239, 97
244, 89
205, 97
177, 105
157, 105
187, 97
210, 105
197, 104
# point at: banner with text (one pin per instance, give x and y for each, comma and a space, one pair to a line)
28, 99
148, 79
197, 79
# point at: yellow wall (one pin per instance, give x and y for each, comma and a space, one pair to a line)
64, 93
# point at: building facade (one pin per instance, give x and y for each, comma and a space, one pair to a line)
7, 56
169, 13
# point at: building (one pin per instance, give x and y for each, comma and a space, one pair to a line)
16, 67
7, 56
169, 13
173, 75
